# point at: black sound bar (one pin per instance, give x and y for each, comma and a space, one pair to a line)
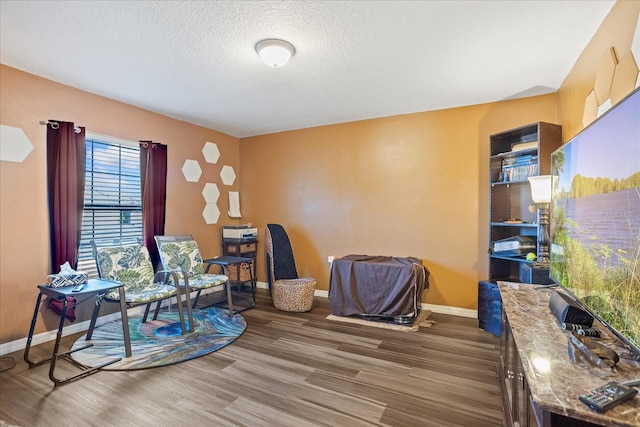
567, 310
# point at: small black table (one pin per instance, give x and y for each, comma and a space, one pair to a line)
92, 287
224, 262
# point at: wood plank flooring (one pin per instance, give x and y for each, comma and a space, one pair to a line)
287, 369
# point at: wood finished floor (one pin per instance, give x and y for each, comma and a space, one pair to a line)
286, 370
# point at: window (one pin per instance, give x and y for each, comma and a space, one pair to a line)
112, 199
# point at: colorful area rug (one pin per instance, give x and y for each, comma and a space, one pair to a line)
421, 321
160, 342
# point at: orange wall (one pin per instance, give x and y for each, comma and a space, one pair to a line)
615, 31
410, 185
25, 100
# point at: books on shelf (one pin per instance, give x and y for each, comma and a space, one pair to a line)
519, 168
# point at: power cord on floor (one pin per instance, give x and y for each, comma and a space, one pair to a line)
4, 359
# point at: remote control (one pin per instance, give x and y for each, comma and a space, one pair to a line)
605, 397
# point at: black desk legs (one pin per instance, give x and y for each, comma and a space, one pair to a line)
252, 280
94, 316
30, 336
253, 283
56, 348
224, 262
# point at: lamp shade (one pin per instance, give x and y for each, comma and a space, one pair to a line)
274, 52
540, 188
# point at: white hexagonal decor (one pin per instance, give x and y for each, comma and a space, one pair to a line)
604, 107
191, 170
14, 144
604, 75
624, 78
210, 193
635, 47
211, 152
590, 109
228, 175
211, 213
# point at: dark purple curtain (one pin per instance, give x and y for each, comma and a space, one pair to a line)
153, 180
65, 186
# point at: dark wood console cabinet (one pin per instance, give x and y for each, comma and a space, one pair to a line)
516, 398
540, 384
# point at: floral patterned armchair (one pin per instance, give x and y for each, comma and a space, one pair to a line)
130, 264
181, 254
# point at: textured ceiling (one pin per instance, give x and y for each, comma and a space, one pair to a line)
195, 60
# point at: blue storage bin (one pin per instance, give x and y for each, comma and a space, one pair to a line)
489, 307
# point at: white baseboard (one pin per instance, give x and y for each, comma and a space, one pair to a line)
320, 293
453, 311
43, 337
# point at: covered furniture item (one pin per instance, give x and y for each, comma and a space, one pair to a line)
377, 287
288, 291
129, 263
181, 254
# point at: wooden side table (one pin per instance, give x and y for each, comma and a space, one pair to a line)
93, 287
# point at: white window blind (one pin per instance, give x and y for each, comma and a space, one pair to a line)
112, 198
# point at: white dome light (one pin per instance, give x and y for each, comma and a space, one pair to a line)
274, 52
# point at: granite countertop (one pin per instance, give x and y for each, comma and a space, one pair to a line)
555, 381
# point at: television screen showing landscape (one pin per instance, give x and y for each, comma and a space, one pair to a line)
595, 218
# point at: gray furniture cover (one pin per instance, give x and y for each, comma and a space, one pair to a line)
377, 286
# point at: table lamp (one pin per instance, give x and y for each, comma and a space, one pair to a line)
541, 195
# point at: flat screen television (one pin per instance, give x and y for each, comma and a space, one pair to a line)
595, 220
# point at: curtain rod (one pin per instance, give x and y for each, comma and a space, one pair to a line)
55, 125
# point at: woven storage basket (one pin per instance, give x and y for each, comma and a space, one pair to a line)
295, 295
239, 273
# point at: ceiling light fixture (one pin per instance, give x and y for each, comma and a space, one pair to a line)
275, 52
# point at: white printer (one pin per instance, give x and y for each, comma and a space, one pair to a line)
239, 232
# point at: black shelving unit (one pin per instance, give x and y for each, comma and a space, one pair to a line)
514, 155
